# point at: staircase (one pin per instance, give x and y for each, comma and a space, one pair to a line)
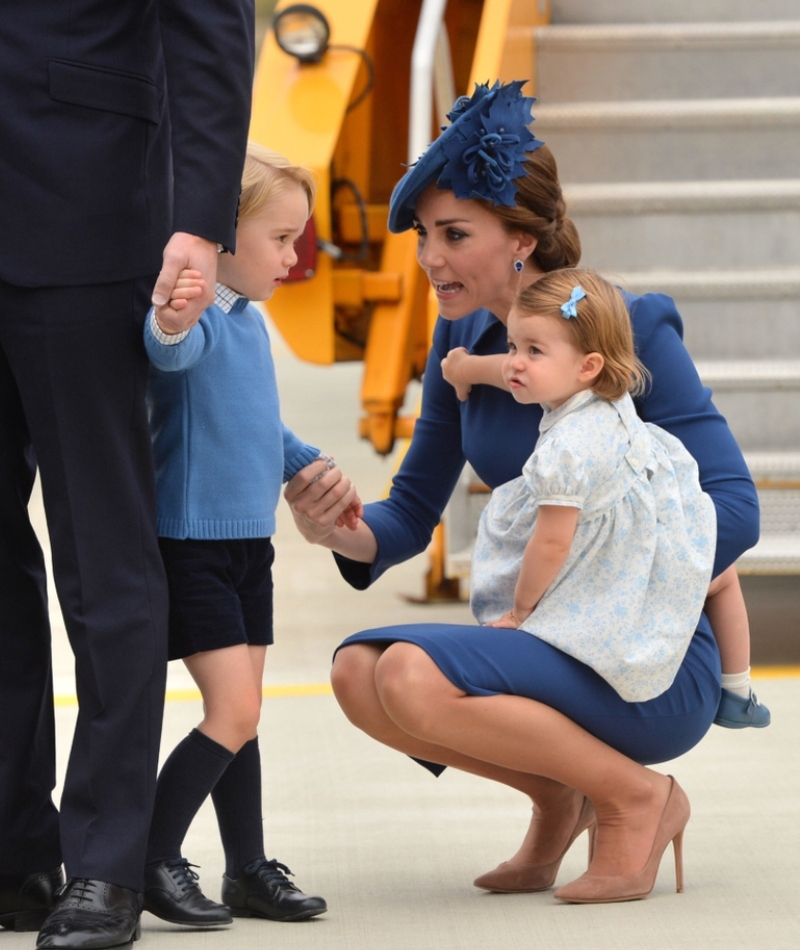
676, 125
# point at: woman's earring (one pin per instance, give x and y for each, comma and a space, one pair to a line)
518, 265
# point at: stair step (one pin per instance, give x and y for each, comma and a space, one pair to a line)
688, 224
693, 197
780, 509
717, 284
672, 139
667, 60
633, 11
774, 554
617, 36
758, 309
750, 375
673, 113
777, 467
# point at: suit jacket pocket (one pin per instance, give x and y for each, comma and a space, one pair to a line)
98, 88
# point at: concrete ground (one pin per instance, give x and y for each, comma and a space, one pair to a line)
394, 850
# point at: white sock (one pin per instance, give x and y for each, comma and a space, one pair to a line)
738, 683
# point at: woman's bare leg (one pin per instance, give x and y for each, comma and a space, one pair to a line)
524, 736
555, 806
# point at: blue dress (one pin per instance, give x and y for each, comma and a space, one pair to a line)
497, 435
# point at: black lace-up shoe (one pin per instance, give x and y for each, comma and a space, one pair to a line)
265, 891
172, 893
92, 915
27, 899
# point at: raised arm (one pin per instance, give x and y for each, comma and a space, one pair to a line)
463, 370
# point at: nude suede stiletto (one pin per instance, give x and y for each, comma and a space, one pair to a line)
597, 889
509, 878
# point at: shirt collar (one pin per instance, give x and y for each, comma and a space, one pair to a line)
225, 298
551, 416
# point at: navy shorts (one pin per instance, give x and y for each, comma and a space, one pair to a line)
220, 593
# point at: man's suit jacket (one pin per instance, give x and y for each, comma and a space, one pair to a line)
100, 100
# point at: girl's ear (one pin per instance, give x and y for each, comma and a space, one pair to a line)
591, 366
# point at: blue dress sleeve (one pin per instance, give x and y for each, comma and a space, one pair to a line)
677, 401
404, 522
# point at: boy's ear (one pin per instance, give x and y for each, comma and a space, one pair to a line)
590, 367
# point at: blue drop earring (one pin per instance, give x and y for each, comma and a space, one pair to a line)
518, 265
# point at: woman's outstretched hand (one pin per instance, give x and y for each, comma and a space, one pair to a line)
322, 498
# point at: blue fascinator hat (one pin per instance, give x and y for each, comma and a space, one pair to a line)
478, 155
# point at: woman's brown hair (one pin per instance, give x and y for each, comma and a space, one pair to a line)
541, 211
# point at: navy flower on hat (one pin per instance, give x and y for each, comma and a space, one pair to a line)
488, 150
479, 155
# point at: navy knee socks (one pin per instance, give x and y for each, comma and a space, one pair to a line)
192, 770
237, 800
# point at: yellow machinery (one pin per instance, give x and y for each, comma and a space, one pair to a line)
351, 117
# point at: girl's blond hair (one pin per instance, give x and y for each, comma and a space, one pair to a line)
268, 175
602, 325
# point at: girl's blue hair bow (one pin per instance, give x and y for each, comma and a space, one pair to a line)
570, 309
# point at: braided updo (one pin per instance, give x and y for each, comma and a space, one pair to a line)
541, 211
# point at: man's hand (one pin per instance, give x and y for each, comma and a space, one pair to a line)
176, 313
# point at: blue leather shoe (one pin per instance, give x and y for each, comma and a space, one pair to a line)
736, 712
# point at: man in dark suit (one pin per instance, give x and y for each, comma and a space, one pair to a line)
123, 126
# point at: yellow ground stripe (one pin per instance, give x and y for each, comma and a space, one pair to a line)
786, 671
270, 692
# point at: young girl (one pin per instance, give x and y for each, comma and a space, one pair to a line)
607, 497
221, 456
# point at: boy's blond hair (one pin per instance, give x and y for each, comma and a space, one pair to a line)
602, 325
268, 175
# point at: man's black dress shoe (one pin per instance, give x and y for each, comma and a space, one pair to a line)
26, 899
171, 892
264, 891
92, 915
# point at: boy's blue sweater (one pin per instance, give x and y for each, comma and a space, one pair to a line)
221, 450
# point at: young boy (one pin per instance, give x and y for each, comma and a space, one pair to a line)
221, 454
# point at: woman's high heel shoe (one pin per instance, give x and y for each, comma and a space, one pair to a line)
597, 889
509, 878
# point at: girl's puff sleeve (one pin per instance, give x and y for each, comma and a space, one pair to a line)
403, 523
556, 475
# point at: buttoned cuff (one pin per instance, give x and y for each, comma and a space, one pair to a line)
168, 339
